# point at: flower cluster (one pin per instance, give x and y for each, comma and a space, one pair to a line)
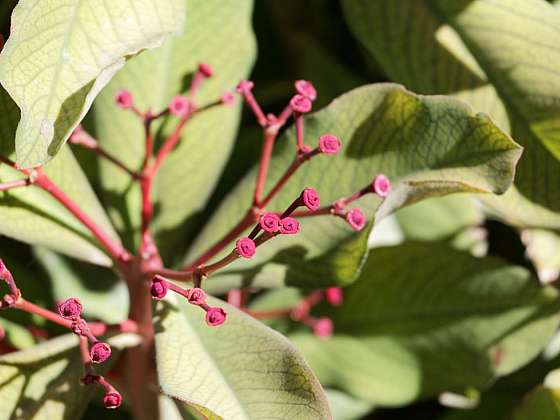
262, 224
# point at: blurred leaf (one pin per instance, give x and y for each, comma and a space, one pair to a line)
43, 382
464, 49
16, 335
103, 295
493, 406
543, 248
439, 218
54, 67
425, 318
239, 370
31, 215
219, 33
345, 407
543, 404
426, 146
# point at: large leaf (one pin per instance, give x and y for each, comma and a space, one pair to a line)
464, 49
60, 54
424, 318
239, 370
543, 404
43, 382
427, 146
219, 33
31, 215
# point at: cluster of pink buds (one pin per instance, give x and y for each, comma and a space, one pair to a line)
322, 327
195, 296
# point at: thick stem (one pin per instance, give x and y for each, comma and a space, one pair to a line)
270, 134
31, 308
115, 249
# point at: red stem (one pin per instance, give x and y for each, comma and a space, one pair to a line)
31, 308
168, 146
270, 134
114, 249
15, 184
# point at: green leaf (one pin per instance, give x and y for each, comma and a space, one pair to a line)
464, 49
188, 176
543, 249
103, 295
439, 218
345, 407
43, 382
60, 54
542, 403
425, 318
427, 146
239, 370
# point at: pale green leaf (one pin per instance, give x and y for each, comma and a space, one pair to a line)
345, 407
497, 55
219, 33
543, 248
43, 382
425, 318
239, 370
104, 296
61, 53
427, 146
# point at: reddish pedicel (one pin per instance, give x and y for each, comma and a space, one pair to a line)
196, 296
381, 185
300, 104
270, 222
289, 226
323, 328
179, 106
329, 144
227, 98
100, 352
334, 296
112, 400
70, 309
310, 199
245, 247
158, 288
306, 88
215, 316
356, 219
123, 99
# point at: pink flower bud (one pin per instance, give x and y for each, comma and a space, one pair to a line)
301, 104
100, 352
289, 226
179, 106
227, 98
205, 69
244, 86
215, 316
159, 288
329, 144
306, 88
70, 309
245, 247
356, 219
196, 296
123, 99
270, 222
323, 328
4, 272
112, 400
310, 199
334, 296
381, 185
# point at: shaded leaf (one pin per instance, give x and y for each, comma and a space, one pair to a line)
424, 318
240, 370
543, 404
427, 146
189, 175
55, 62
